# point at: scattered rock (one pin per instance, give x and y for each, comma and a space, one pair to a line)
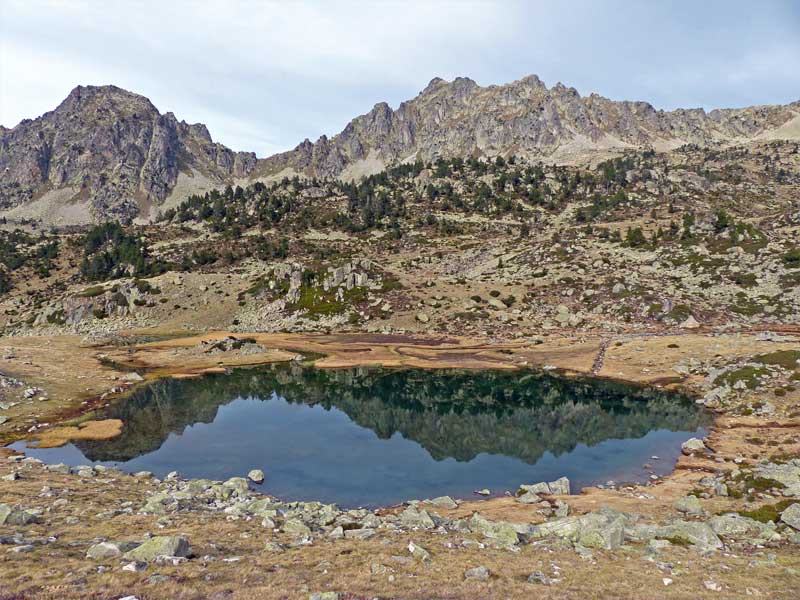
540, 578
791, 516
256, 476
692, 446
689, 505
418, 552
159, 546
480, 573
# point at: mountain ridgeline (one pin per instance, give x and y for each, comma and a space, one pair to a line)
108, 154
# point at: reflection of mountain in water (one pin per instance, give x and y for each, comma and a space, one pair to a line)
450, 413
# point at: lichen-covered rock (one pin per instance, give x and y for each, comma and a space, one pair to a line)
107, 550
413, 518
479, 573
691, 532
501, 532
689, 505
693, 446
735, 526
161, 545
418, 552
791, 516
11, 515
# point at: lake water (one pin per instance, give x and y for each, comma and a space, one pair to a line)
371, 437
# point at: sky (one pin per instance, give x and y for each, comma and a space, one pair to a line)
264, 75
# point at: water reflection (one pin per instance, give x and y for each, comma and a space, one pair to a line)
370, 436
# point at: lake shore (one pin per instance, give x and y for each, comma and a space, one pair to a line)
77, 376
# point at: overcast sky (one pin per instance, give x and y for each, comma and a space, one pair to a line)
263, 76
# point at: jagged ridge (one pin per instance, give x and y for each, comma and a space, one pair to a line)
461, 118
106, 153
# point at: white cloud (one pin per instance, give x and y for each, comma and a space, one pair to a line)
264, 75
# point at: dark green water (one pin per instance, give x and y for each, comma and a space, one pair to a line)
375, 437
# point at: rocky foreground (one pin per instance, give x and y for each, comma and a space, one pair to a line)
89, 530
724, 524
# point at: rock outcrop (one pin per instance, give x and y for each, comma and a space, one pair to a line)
524, 118
106, 153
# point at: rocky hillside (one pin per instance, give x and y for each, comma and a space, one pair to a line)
106, 153
525, 118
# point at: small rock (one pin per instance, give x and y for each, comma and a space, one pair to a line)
104, 551
539, 577
693, 445
419, 552
689, 505
480, 573
256, 476
690, 323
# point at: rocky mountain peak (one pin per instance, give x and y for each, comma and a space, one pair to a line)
106, 153
526, 118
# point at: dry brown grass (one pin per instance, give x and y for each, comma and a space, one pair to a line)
88, 430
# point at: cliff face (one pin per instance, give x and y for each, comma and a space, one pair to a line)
106, 154
461, 118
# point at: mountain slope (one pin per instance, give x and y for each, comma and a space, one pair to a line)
105, 153
461, 118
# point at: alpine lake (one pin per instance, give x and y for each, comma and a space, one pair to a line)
376, 437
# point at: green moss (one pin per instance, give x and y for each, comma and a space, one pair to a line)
318, 302
91, 292
744, 279
680, 312
768, 512
390, 283
749, 375
678, 541
57, 318
758, 484
792, 259
783, 358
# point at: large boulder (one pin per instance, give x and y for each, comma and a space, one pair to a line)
603, 528
691, 532
788, 474
558, 487
689, 505
503, 533
11, 515
108, 550
791, 516
413, 518
162, 545
737, 527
